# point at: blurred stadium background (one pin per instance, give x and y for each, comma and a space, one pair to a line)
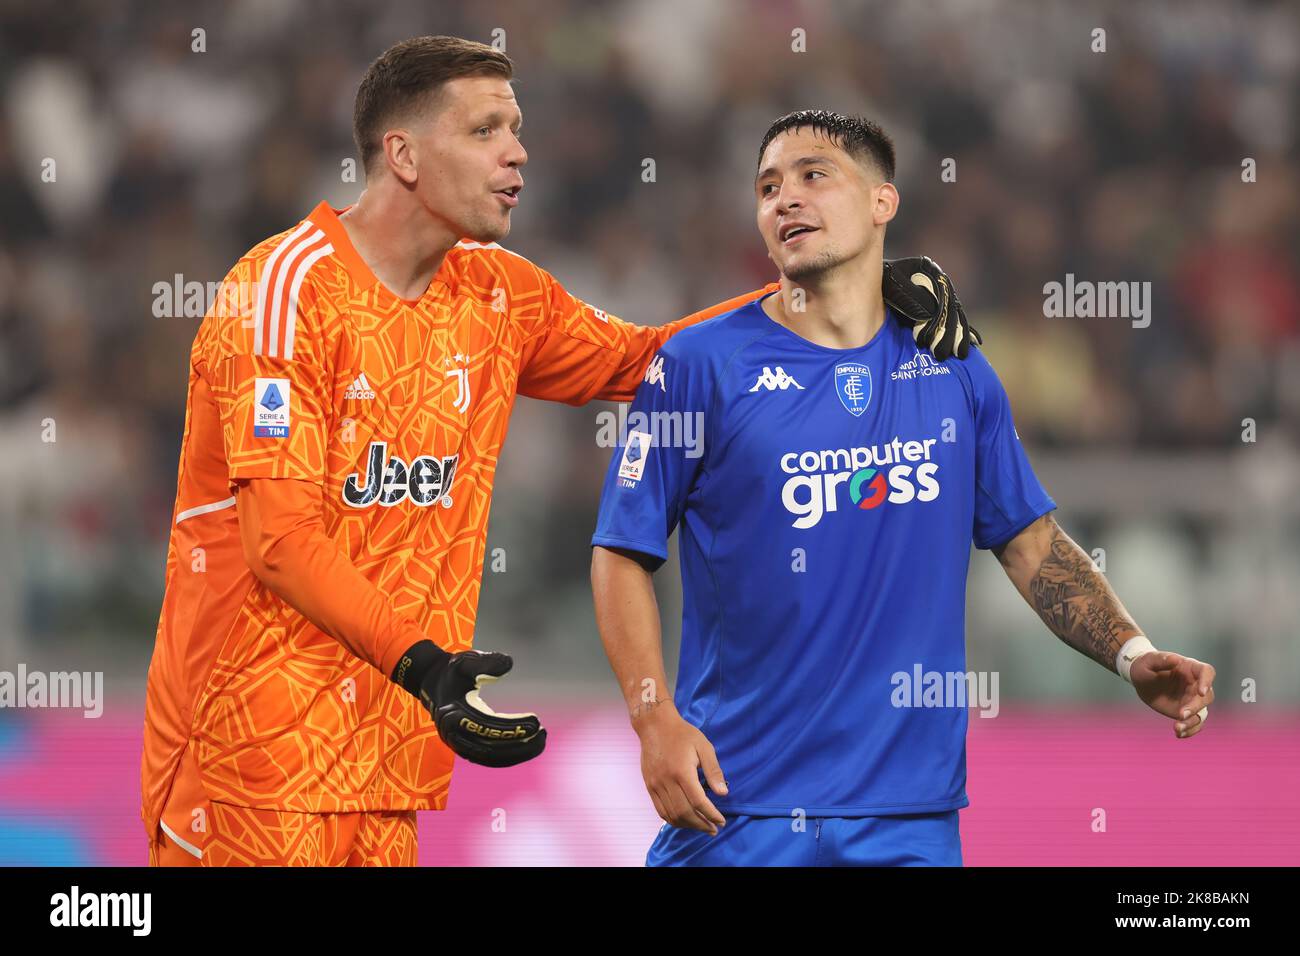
1117, 166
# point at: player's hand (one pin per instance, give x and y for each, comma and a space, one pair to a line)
671, 752
921, 294
467, 724
1175, 686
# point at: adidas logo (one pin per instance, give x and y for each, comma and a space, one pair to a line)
772, 382
360, 389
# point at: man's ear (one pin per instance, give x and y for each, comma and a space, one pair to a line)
886, 204
399, 154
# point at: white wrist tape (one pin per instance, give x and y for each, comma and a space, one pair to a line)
1133, 648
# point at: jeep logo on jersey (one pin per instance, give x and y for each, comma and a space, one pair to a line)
390, 480
853, 384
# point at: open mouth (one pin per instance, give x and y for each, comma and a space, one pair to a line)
793, 233
510, 195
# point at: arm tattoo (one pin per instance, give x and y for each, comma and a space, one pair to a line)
1077, 604
648, 705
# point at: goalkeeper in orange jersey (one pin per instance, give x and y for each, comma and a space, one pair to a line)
313, 675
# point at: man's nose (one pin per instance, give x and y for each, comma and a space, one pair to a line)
517, 156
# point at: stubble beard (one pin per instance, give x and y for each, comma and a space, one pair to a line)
485, 227
814, 269
492, 231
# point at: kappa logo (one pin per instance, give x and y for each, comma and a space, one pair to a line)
654, 373
773, 381
360, 389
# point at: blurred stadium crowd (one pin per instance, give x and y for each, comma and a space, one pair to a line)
1117, 166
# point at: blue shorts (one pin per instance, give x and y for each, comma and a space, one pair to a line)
921, 839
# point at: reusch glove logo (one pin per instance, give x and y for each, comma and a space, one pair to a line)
467, 725
496, 733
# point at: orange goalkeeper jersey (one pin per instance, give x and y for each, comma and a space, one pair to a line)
307, 367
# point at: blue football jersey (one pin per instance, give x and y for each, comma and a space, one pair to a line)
827, 500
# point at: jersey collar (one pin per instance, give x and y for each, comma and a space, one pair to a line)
326, 218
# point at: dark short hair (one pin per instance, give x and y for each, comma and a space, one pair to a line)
407, 77
860, 138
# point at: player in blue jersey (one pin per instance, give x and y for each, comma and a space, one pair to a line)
828, 480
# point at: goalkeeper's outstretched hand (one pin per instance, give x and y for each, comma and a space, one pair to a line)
467, 724
920, 293
449, 687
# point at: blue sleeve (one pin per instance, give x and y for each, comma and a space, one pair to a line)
659, 456
1008, 496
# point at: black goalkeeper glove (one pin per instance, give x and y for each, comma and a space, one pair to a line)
922, 295
449, 684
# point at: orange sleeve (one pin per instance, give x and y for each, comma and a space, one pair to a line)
288, 550
271, 373
583, 353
